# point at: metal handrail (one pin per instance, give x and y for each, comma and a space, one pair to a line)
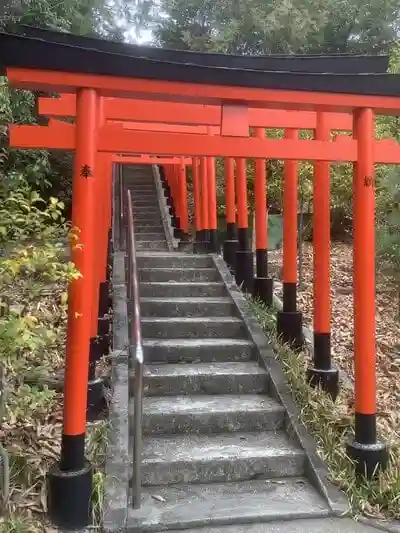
121, 209
135, 352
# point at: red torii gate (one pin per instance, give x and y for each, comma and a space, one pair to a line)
90, 139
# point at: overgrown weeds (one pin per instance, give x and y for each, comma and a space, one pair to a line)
34, 272
331, 424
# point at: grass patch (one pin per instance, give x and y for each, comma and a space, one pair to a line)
331, 424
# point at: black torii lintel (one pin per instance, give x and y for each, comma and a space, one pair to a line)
33, 53
334, 63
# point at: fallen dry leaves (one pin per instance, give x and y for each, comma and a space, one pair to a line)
387, 328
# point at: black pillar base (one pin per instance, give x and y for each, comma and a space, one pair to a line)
95, 351
199, 245
178, 233
244, 270
264, 290
96, 402
289, 328
69, 497
185, 237
184, 240
104, 296
369, 459
174, 221
229, 249
328, 380
105, 344
170, 211
104, 324
213, 243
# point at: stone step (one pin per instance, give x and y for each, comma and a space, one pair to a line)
167, 290
151, 245
178, 274
137, 181
214, 458
172, 260
183, 506
193, 327
138, 186
147, 228
142, 199
149, 220
151, 236
150, 207
147, 203
306, 525
205, 378
174, 307
141, 213
215, 414
134, 177
139, 178
146, 188
196, 350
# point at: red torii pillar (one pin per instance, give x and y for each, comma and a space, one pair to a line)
289, 320
321, 373
244, 268
183, 202
74, 474
263, 285
204, 202
368, 453
231, 243
198, 244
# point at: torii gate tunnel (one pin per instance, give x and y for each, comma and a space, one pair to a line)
176, 109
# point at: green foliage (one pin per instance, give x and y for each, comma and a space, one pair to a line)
32, 263
388, 225
82, 17
49, 173
22, 216
33, 277
260, 27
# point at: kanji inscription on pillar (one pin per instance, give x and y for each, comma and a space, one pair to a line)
369, 181
86, 171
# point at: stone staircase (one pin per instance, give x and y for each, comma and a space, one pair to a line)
149, 229
217, 448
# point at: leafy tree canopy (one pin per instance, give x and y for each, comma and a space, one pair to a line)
106, 18
274, 26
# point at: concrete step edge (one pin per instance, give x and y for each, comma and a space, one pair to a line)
193, 320
188, 300
188, 343
234, 369
183, 506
